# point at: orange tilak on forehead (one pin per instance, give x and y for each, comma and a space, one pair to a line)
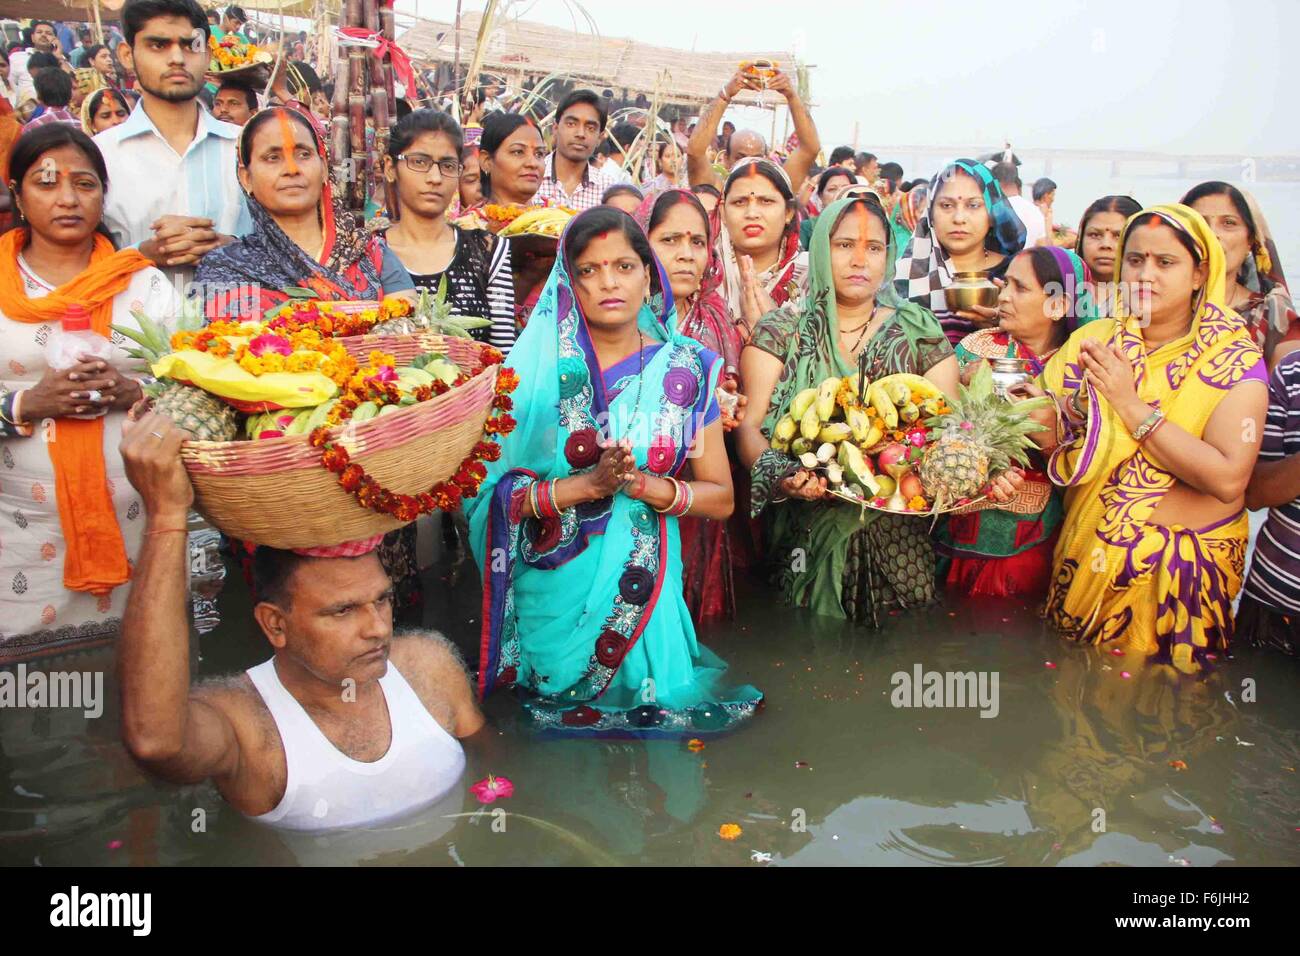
286, 136
864, 218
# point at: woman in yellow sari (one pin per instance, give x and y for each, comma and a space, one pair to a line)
1158, 422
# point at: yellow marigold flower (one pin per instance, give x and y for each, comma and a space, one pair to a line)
730, 831
917, 503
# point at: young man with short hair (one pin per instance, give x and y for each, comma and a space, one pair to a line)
569, 180
176, 195
843, 156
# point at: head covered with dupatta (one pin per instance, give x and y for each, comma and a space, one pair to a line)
1119, 576
349, 266
812, 352
705, 317
924, 268
784, 280
565, 412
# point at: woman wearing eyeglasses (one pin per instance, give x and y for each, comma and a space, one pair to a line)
423, 161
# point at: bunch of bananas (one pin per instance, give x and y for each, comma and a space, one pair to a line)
841, 423
547, 221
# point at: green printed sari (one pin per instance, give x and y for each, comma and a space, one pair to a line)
826, 555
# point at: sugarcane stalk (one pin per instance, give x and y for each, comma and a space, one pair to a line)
340, 140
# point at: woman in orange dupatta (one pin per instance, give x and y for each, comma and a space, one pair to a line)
72, 520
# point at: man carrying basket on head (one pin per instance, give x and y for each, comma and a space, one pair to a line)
326, 734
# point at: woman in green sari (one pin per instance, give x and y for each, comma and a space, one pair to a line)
826, 557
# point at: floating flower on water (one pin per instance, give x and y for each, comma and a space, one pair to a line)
490, 788
730, 831
695, 745
1049, 664
801, 764
1125, 674
1178, 764
115, 844
1117, 651
268, 343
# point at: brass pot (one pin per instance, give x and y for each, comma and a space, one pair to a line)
971, 288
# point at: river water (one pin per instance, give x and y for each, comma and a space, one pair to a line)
1083, 763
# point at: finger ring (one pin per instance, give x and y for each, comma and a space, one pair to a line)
157, 435
93, 395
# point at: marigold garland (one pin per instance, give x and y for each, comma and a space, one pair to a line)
444, 496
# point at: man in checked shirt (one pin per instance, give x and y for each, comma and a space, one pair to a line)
569, 180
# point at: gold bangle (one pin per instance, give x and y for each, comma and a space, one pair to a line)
676, 492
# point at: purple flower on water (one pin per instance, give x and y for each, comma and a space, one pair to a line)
681, 387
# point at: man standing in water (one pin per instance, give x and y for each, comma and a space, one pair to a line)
746, 142
345, 726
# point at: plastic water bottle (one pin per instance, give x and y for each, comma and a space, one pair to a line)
73, 339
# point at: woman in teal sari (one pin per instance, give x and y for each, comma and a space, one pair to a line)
575, 527
825, 556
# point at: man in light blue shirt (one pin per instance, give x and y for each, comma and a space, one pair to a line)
174, 191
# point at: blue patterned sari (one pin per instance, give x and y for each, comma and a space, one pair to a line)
584, 615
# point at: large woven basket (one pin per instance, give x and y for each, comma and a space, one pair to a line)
276, 492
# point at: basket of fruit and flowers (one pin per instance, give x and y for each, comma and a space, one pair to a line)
898, 445
510, 219
310, 413
233, 57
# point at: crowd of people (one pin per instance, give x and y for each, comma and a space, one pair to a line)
702, 283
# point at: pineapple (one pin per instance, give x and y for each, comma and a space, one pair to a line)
980, 438
203, 415
434, 314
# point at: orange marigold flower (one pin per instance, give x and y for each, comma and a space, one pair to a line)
916, 503
730, 831
695, 745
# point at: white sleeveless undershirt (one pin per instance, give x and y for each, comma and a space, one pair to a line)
326, 789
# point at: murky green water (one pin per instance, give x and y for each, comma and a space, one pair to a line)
1075, 769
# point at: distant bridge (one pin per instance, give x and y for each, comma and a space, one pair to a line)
1270, 167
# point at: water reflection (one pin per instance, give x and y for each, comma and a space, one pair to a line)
830, 773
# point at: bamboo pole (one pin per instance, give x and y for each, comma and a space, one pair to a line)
455, 72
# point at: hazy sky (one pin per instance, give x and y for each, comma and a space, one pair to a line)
1198, 76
